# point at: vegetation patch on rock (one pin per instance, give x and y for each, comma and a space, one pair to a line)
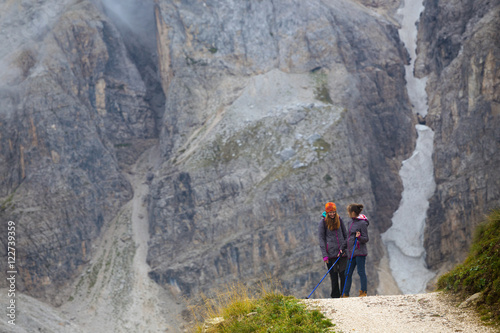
267, 309
480, 272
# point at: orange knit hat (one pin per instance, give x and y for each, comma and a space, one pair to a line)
330, 207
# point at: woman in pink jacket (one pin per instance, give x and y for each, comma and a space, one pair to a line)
357, 230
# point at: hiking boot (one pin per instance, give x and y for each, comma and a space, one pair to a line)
362, 293
344, 296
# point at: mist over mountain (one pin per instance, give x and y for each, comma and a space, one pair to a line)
154, 150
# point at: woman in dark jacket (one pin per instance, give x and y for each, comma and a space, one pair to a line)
332, 242
357, 229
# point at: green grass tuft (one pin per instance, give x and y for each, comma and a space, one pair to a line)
480, 272
321, 89
267, 309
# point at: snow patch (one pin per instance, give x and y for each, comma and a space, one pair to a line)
405, 239
408, 33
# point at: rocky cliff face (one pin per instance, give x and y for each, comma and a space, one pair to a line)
460, 53
269, 115
73, 107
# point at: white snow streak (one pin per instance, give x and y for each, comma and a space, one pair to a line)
405, 239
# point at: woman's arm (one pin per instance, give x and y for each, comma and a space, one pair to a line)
344, 233
322, 238
363, 238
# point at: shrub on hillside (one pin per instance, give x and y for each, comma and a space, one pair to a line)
481, 270
267, 309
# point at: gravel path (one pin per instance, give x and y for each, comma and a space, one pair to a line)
430, 312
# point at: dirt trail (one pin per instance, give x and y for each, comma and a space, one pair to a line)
430, 312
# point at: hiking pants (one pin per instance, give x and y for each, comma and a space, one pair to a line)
358, 262
334, 277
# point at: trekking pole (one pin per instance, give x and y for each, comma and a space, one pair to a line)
347, 276
323, 278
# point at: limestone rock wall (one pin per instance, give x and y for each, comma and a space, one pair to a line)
71, 104
273, 108
459, 49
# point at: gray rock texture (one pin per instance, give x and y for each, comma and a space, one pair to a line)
246, 85
72, 104
460, 52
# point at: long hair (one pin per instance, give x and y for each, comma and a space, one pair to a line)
332, 224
